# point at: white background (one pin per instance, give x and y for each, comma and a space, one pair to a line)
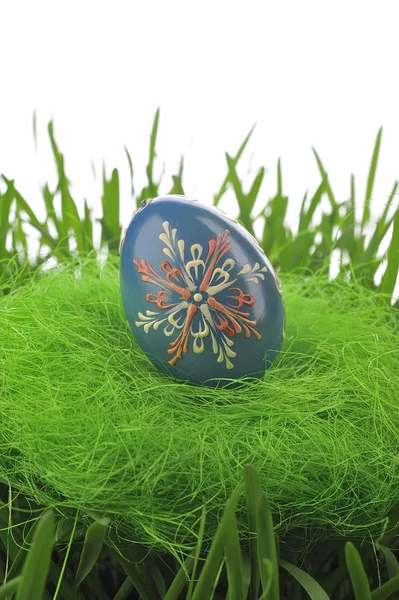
310, 73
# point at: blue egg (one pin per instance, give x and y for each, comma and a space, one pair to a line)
201, 297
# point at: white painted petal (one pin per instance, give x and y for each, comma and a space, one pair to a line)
198, 345
158, 323
180, 245
169, 330
230, 352
246, 269
168, 253
229, 364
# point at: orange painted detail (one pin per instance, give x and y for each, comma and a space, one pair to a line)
180, 345
217, 248
149, 275
238, 319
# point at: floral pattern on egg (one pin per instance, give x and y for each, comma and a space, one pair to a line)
202, 299
187, 296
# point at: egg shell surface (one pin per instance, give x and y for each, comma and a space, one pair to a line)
200, 295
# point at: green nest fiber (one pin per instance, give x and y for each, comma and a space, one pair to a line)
87, 422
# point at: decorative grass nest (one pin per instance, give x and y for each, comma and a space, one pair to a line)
88, 423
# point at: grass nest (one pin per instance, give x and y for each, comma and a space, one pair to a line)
88, 423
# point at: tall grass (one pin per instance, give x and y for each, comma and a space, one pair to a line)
47, 556
353, 245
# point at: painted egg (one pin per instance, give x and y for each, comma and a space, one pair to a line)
201, 297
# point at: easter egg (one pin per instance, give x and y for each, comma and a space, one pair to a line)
202, 299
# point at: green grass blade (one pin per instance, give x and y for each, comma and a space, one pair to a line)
370, 180
301, 244
390, 529
65, 590
370, 253
324, 176
246, 574
94, 541
254, 191
22, 552
37, 563
235, 181
346, 223
88, 227
217, 197
388, 205
320, 258
70, 214
10, 538
73, 533
390, 560
197, 551
48, 198
177, 187
154, 576
282, 256
125, 590
234, 561
204, 588
6, 201
306, 217
19, 238
111, 229
386, 590
279, 179
217, 579
129, 159
181, 167
9, 588
22, 205
381, 228
135, 577
353, 200
350, 221
252, 493
267, 546
153, 139
57, 154
64, 529
245, 210
312, 588
267, 569
390, 276
62, 243
180, 580
357, 573
302, 212
275, 233
153, 188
